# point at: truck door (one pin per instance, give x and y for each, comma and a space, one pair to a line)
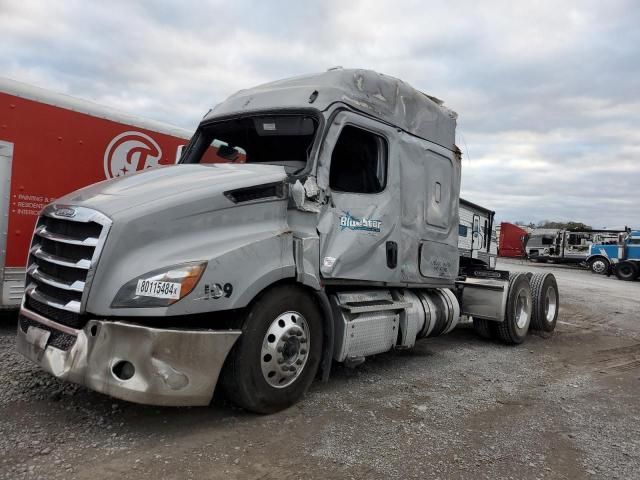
360, 227
633, 246
476, 239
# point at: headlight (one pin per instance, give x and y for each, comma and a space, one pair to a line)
160, 288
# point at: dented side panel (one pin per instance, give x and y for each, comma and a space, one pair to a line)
417, 212
382, 96
355, 227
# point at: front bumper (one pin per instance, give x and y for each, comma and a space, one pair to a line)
173, 367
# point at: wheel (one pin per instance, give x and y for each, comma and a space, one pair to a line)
484, 328
277, 356
515, 326
626, 271
599, 265
545, 301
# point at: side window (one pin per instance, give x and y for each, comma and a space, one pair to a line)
358, 162
462, 230
476, 224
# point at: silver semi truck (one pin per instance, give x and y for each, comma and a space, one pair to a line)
330, 235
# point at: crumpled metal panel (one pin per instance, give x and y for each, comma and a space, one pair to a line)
398, 214
172, 366
381, 96
359, 251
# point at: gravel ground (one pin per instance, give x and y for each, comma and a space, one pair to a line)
564, 406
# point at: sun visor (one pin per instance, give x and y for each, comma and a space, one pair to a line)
284, 126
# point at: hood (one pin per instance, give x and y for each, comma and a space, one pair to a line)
171, 185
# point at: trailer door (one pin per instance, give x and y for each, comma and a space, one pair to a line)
476, 239
11, 277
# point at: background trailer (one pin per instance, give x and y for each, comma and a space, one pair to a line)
512, 241
476, 235
52, 144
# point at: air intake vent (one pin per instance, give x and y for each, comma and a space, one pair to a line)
259, 192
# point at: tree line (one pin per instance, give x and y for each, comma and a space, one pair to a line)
556, 225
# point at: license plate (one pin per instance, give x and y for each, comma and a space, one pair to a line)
158, 289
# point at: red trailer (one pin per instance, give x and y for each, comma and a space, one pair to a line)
52, 144
512, 241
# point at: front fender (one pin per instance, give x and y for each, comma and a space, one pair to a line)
246, 249
249, 270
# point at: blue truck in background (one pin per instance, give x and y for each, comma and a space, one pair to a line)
621, 257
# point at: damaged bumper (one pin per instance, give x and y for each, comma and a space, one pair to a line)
135, 363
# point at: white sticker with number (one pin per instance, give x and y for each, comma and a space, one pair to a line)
158, 289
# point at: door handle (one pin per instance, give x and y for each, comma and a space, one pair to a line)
392, 254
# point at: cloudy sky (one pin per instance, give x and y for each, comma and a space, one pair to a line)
548, 92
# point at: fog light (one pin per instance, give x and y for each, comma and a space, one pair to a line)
123, 370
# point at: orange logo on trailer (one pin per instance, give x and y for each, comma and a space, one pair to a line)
130, 152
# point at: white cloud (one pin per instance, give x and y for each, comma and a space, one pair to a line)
546, 91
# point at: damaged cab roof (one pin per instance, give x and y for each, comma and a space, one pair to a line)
387, 98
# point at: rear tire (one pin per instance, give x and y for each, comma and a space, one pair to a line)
515, 326
277, 356
599, 265
545, 301
627, 271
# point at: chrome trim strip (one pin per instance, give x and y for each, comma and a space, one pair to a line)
47, 322
41, 231
77, 286
355, 308
83, 264
106, 227
72, 306
82, 214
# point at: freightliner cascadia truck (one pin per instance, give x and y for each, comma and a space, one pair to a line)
334, 239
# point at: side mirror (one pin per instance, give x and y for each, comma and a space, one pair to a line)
227, 152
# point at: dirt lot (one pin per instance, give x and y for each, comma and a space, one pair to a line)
567, 406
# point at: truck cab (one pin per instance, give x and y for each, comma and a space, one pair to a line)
330, 235
623, 255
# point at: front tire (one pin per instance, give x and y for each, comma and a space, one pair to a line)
599, 265
277, 356
627, 271
515, 326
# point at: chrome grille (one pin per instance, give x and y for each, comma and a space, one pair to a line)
66, 245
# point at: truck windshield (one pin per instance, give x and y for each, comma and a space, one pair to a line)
275, 139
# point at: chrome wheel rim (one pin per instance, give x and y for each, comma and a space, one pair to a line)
598, 266
285, 349
523, 309
550, 304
